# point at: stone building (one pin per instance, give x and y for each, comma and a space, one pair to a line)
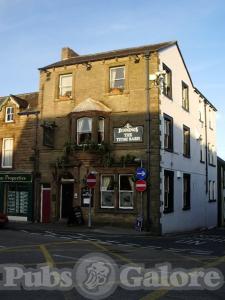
17, 155
109, 112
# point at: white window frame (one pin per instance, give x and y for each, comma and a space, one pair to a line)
9, 150
103, 139
80, 132
9, 112
128, 207
122, 78
109, 191
69, 86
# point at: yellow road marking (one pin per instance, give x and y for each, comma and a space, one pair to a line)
49, 260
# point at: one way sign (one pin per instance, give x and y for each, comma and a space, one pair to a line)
141, 173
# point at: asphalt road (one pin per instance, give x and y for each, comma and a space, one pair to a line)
35, 249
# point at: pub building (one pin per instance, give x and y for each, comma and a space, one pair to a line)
17, 156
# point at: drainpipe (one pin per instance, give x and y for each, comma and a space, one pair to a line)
148, 127
206, 149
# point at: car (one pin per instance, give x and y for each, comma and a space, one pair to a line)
3, 220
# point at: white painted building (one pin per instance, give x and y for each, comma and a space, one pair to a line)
188, 150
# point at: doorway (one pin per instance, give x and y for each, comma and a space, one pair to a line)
66, 199
45, 205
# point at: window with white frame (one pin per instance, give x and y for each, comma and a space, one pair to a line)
167, 84
201, 111
84, 130
101, 129
126, 191
9, 114
7, 153
185, 96
211, 154
168, 133
210, 119
65, 85
107, 191
212, 190
117, 77
202, 150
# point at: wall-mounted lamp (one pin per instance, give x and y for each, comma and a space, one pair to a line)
136, 59
88, 66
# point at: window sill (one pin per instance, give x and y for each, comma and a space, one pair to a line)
168, 211
117, 92
167, 96
116, 210
186, 208
187, 110
202, 161
168, 150
187, 156
212, 165
214, 200
64, 99
9, 122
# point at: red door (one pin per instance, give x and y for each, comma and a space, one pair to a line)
46, 205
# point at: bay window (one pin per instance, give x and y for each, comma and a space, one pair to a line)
100, 130
84, 130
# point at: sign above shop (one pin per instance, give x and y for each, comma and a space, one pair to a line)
128, 134
17, 177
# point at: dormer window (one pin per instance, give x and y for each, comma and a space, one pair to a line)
84, 130
65, 85
9, 114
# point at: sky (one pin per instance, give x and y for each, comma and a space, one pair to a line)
32, 33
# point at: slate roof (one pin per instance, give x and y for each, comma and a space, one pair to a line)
109, 54
24, 101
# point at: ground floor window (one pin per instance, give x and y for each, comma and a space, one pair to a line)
126, 189
17, 200
117, 191
107, 191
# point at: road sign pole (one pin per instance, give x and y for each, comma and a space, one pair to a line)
89, 210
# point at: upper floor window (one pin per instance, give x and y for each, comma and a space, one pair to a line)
212, 154
167, 87
186, 141
210, 119
48, 134
9, 114
84, 130
65, 85
117, 77
168, 133
168, 191
185, 96
101, 130
202, 150
7, 153
212, 190
186, 191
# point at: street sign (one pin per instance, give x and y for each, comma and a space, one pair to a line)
91, 181
140, 185
141, 173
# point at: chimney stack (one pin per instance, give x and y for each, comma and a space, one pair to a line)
68, 53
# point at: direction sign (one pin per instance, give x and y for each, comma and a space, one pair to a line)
140, 185
91, 181
141, 173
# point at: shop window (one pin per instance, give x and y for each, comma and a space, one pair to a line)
17, 200
107, 191
186, 191
117, 77
185, 96
101, 129
167, 85
7, 153
168, 133
186, 141
84, 130
126, 190
168, 191
9, 114
65, 85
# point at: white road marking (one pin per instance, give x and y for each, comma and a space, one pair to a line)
63, 256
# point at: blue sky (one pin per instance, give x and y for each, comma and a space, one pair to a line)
32, 33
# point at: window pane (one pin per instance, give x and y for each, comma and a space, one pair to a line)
107, 183
100, 130
126, 199
84, 125
107, 199
126, 183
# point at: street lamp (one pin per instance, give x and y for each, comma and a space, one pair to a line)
36, 160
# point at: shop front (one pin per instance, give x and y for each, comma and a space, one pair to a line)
16, 195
